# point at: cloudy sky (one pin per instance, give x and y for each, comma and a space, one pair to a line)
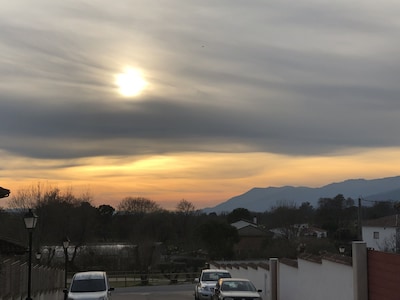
232, 94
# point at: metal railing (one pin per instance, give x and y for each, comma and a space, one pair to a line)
14, 278
125, 279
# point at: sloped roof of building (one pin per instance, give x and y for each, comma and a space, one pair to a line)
243, 223
388, 221
4, 192
252, 231
9, 247
246, 228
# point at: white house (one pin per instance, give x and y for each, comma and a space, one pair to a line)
315, 232
382, 234
298, 230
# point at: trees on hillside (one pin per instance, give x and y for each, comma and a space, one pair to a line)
185, 231
219, 238
239, 214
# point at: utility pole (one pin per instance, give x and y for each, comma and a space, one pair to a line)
359, 222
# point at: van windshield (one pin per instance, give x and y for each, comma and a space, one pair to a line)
88, 285
214, 276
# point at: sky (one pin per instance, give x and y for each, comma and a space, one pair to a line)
226, 95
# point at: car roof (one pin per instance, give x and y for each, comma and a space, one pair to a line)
215, 270
89, 275
234, 279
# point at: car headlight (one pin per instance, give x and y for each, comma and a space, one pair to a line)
205, 288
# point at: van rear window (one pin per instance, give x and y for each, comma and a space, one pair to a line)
88, 285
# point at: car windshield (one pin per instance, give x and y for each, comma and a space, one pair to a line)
88, 285
214, 276
238, 286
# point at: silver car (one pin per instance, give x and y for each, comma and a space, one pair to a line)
92, 285
235, 288
205, 284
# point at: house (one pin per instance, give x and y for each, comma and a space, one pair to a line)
251, 238
382, 234
314, 232
298, 230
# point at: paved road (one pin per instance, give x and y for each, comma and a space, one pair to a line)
167, 292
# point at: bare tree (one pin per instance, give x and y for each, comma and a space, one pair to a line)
185, 207
26, 198
138, 205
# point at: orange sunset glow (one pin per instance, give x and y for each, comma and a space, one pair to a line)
201, 178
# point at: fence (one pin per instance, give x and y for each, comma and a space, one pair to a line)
383, 275
125, 279
14, 280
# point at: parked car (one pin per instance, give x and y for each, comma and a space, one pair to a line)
235, 288
92, 285
205, 284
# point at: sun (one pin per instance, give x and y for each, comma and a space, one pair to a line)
130, 83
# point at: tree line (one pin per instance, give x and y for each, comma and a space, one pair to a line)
184, 232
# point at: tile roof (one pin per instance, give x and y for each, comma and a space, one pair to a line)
388, 221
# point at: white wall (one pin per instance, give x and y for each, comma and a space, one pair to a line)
259, 276
386, 241
326, 280
309, 281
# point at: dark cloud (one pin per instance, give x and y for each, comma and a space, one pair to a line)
298, 79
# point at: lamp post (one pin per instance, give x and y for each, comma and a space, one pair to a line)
65, 246
30, 220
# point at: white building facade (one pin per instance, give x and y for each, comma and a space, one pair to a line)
382, 234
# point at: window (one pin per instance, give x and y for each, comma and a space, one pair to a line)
376, 235
88, 285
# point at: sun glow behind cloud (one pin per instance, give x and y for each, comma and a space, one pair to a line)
130, 83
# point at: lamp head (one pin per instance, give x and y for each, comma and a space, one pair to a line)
66, 242
30, 220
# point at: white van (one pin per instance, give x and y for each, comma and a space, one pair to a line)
89, 285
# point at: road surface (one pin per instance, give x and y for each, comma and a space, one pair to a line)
167, 292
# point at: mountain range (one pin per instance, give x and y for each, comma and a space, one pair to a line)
263, 199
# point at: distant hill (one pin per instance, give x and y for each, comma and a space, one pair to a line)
263, 199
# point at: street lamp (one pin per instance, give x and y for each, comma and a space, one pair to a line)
30, 220
38, 256
65, 246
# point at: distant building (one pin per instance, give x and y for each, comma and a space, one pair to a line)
382, 234
251, 238
10, 248
299, 230
314, 232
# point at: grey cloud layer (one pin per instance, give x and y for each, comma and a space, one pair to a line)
305, 78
